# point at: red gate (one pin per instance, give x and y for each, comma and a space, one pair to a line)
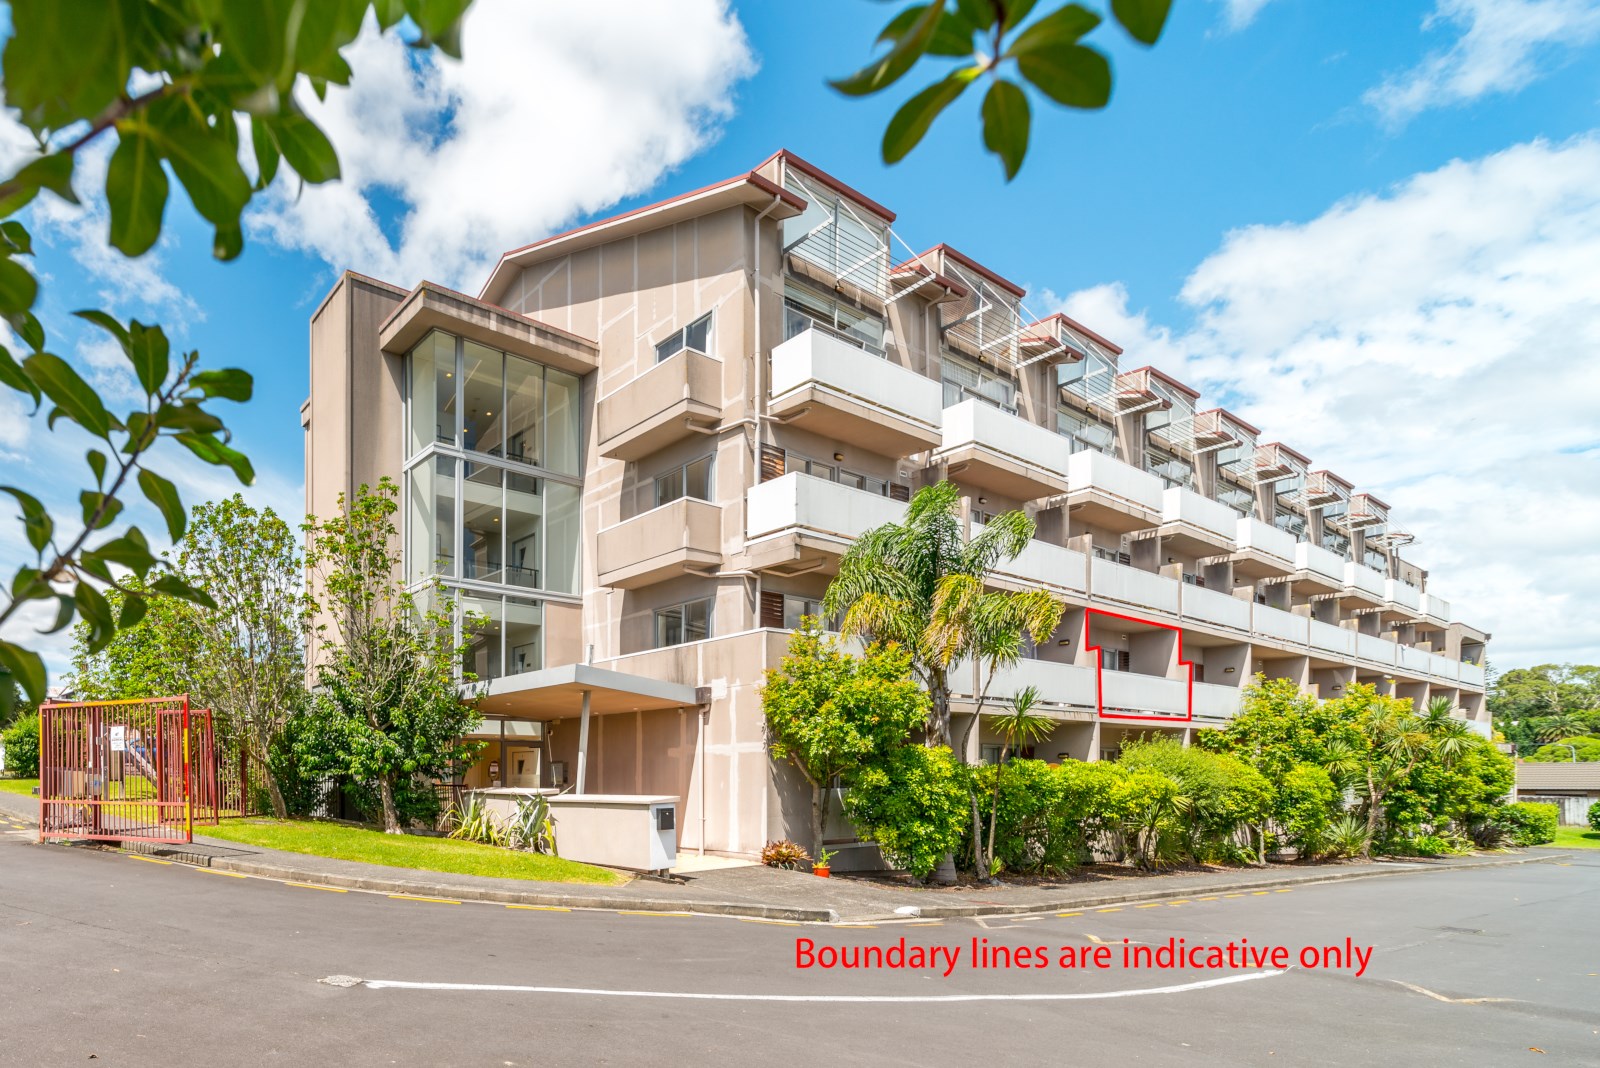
139, 770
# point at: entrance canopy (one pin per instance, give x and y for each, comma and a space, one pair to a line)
558, 692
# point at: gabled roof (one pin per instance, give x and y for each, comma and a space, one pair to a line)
1235, 420
972, 264
1080, 328
811, 170
1168, 379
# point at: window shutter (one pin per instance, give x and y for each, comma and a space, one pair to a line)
772, 462
1122, 660
898, 492
772, 609
1124, 559
1199, 673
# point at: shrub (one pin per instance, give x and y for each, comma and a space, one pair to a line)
22, 747
1427, 845
471, 821
1594, 816
1150, 823
1306, 804
1219, 795
786, 855
1347, 837
914, 805
1528, 823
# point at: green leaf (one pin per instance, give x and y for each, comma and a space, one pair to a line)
889, 67
911, 122
107, 323
65, 607
1059, 29
267, 154
212, 451
36, 522
306, 148
203, 160
952, 37
148, 351
187, 416
164, 495
27, 327
1016, 11
252, 35
69, 391
173, 586
1005, 124
97, 464
229, 383
26, 667
52, 172
136, 192
981, 14
18, 287
12, 374
96, 612
91, 502
133, 610
130, 550
18, 241
1077, 76
1143, 19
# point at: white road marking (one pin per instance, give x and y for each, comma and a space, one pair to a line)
859, 999
1448, 1000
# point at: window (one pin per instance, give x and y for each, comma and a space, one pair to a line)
965, 379
1167, 467
1114, 659
804, 309
1085, 431
981, 517
1113, 555
690, 622
1192, 579
839, 237
696, 337
693, 479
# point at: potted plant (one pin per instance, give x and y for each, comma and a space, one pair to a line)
819, 867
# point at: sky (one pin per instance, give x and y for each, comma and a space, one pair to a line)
1370, 227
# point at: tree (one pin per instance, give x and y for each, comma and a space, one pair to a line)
913, 805
249, 666
829, 713
175, 82
1587, 750
1546, 702
920, 583
1021, 724
153, 658
388, 711
997, 40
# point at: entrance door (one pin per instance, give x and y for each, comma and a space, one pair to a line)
524, 766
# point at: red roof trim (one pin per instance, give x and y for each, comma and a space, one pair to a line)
1335, 478
913, 267
1231, 418
968, 261
1084, 330
1374, 500
1168, 379
1302, 457
831, 182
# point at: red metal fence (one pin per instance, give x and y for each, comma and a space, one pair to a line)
139, 770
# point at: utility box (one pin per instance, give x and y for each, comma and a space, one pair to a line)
634, 831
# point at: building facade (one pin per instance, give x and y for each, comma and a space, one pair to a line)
641, 451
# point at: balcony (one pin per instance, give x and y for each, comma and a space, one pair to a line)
841, 392
1435, 609
1401, 600
660, 406
1316, 569
1214, 608
1216, 702
1195, 525
1376, 649
661, 543
1472, 676
1003, 453
1415, 661
1106, 492
1331, 639
1362, 584
802, 523
1133, 588
1443, 667
1262, 550
1058, 684
1280, 625
1043, 564
1124, 693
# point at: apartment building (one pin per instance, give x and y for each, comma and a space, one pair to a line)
641, 451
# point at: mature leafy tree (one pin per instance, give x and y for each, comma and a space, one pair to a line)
153, 658
830, 713
1001, 41
22, 746
388, 711
174, 81
1544, 703
920, 583
1587, 749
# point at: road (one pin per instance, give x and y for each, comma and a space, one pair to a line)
132, 962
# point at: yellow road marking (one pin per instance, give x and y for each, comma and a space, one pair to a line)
1284, 891
215, 871
1117, 909
1205, 899
540, 908
314, 886
1065, 915
1150, 905
644, 912
149, 860
1179, 901
1233, 895
1258, 893
927, 923
415, 897
763, 919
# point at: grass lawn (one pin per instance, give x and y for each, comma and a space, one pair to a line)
18, 786
406, 851
1577, 838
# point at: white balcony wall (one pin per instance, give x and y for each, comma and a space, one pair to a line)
1179, 505
1045, 564
1379, 650
1472, 675
1091, 470
1110, 581
817, 358
1123, 691
1264, 538
1209, 606
1319, 561
972, 422
1415, 660
1331, 638
1216, 702
797, 500
1435, 607
1058, 684
1397, 592
1361, 577
1276, 623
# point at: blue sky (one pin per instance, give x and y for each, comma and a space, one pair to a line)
1355, 222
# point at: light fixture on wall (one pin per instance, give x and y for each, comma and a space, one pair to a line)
1228, 671
838, 456
1064, 641
983, 500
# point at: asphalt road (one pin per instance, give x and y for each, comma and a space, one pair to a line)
130, 962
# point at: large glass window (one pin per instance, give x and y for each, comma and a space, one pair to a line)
482, 529
433, 391
524, 515
965, 379
501, 636
433, 519
805, 309
563, 535
483, 416
690, 622
563, 426
524, 408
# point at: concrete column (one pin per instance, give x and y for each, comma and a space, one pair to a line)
583, 746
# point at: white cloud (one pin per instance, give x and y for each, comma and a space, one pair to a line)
557, 111
1434, 344
1240, 13
1500, 44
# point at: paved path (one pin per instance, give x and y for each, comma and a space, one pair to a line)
137, 962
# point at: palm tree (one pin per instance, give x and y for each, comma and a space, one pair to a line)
1021, 724
920, 583
1447, 733
1556, 727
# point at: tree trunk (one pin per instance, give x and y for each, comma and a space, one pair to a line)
391, 816
939, 714
279, 808
819, 819
1374, 801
